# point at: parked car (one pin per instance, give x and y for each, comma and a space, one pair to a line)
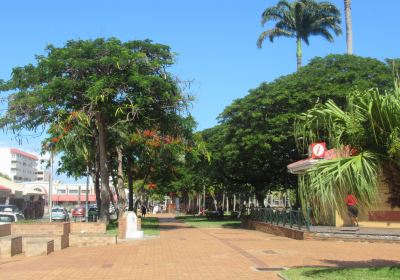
78, 212
59, 214
93, 213
10, 217
9, 208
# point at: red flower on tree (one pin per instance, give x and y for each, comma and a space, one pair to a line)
149, 133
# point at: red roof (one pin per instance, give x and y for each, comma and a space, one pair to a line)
22, 153
72, 198
2, 188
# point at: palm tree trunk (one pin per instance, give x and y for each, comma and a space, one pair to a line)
349, 30
104, 176
298, 53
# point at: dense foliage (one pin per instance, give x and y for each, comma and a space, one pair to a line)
255, 141
92, 96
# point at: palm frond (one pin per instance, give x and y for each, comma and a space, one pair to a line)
271, 34
276, 12
326, 184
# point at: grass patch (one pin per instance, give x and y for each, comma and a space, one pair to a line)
372, 273
112, 227
203, 222
150, 226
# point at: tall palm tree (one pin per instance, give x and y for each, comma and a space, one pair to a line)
369, 130
301, 19
349, 30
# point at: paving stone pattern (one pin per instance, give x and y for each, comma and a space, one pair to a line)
183, 252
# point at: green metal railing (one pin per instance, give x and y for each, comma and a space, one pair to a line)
284, 217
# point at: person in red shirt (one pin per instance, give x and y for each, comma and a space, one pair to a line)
351, 203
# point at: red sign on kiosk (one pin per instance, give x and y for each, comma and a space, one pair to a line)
318, 150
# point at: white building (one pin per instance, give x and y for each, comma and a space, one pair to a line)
42, 175
65, 194
20, 166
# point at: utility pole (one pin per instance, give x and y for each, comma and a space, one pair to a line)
79, 195
87, 194
51, 183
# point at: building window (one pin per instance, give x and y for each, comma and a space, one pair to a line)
61, 191
73, 191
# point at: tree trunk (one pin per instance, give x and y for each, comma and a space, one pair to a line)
114, 182
234, 202
120, 187
298, 53
96, 174
104, 175
227, 203
259, 199
349, 28
189, 204
215, 202
130, 183
199, 201
204, 197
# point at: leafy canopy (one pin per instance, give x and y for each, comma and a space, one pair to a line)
256, 136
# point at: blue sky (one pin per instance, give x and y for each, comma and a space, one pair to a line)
215, 41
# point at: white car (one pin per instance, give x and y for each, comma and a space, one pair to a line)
10, 217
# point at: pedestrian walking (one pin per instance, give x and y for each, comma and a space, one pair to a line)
144, 210
352, 209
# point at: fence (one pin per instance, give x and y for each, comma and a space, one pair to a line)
284, 217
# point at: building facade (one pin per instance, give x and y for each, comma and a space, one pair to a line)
42, 175
65, 194
20, 166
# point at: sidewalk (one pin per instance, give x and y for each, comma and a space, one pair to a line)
183, 252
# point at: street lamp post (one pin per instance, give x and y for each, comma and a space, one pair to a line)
87, 194
51, 184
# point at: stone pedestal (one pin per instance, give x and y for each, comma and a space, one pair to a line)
132, 231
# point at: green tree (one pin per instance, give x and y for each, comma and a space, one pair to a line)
109, 81
367, 132
301, 19
256, 133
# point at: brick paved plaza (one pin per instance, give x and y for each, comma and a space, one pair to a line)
182, 252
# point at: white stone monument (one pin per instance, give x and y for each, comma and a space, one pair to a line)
156, 209
132, 226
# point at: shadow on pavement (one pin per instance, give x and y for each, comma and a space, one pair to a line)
369, 263
234, 225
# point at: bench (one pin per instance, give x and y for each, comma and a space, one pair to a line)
37, 247
213, 215
10, 246
60, 241
91, 239
234, 214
